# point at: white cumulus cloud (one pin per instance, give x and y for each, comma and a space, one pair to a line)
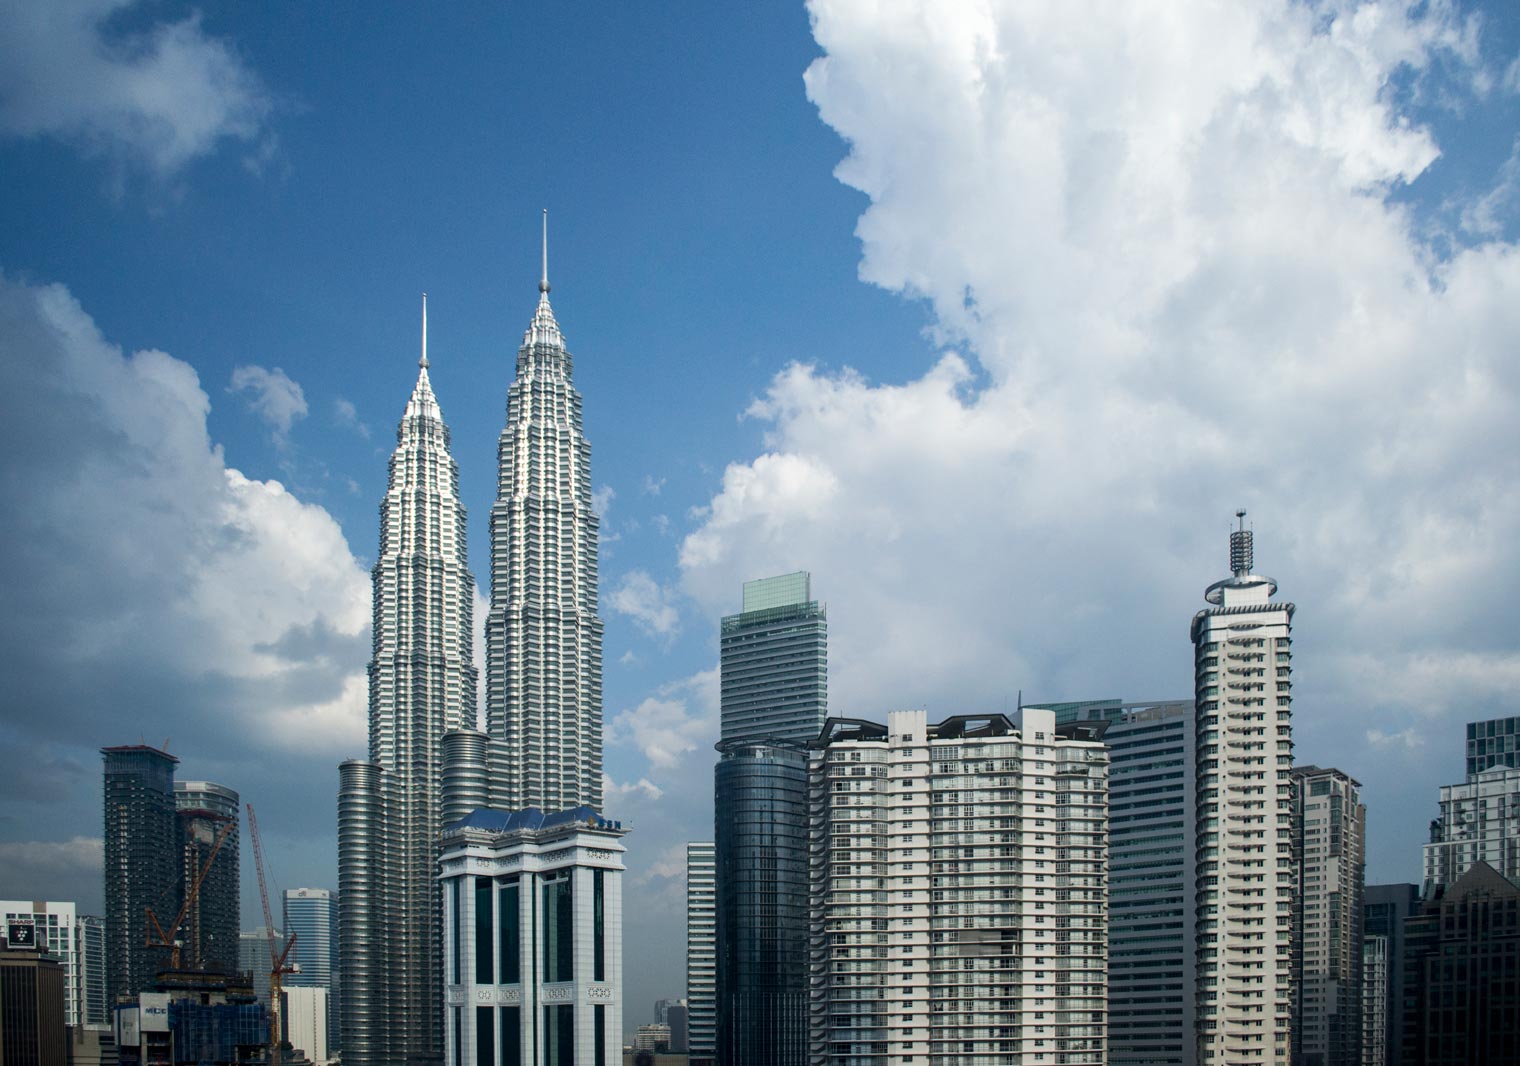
156, 98
650, 604
272, 395
150, 587
679, 718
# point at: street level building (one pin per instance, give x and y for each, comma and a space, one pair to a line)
1245, 872
1330, 844
533, 964
32, 1031
142, 865
1151, 932
1385, 909
77, 942
959, 885
1462, 974
422, 683
701, 953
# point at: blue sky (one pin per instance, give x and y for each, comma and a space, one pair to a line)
991, 322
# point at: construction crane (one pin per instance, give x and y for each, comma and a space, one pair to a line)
277, 954
171, 939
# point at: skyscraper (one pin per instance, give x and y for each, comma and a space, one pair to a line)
421, 684
1242, 648
211, 926
774, 695
774, 662
1479, 819
1330, 845
1152, 932
701, 953
142, 862
543, 634
958, 904
311, 916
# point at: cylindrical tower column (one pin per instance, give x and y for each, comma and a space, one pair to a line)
466, 774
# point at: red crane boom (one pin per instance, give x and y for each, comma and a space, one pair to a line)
277, 955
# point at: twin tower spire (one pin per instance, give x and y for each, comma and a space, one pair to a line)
541, 745
543, 287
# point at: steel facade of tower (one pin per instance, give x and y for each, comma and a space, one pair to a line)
543, 634
774, 662
422, 683
774, 695
212, 924
142, 862
1246, 875
1151, 936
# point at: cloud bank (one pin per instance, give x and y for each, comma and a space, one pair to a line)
1170, 279
152, 587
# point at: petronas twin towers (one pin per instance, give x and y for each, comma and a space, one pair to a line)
543, 681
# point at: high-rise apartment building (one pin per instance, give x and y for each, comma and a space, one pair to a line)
311, 916
1495, 742
959, 886
1479, 822
422, 683
533, 939
1330, 844
77, 942
1385, 909
211, 925
1374, 1001
543, 633
1151, 929
774, 696
702, 952
142, 862
1243, 658
1462, 973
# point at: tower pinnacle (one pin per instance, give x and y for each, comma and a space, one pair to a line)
543, 281
423, 362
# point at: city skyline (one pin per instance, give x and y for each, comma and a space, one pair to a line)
1026, 389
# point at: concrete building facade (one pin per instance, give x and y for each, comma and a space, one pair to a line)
1245, 870
533, 939
959, 891
1330, 844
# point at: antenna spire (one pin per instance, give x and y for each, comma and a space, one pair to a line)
423, 362
543, 281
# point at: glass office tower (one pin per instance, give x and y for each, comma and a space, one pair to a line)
774, 684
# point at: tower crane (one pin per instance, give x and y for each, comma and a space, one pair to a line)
277, 954
171, 939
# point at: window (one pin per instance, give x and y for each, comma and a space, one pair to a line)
598, 937
510, 942
558, 928
511, 1036
485, 1035
454, 912
484, 935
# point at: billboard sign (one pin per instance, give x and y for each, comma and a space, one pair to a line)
21, 934
155, 1012
127, 1033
